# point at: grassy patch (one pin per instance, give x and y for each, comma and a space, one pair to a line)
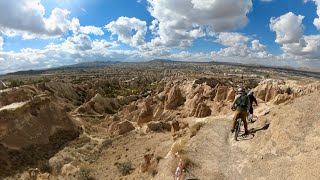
124, 167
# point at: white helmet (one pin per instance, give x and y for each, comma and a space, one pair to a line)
241, 90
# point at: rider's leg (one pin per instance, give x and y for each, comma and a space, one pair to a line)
236, 114
251, 110
244, 120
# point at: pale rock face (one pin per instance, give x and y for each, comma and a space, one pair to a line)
68, 171
231, 95
279, 91
202, 110
221, 94
124, 127
144, 166
2, 85
174, 98
146, 114
159, 126
281, 98
99, 105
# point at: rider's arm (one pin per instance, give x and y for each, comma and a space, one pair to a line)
255, 100
233, 104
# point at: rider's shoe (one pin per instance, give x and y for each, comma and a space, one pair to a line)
232, 130
246, 133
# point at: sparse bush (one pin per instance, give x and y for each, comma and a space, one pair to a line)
15, 83
154, 172
85, 173
106, 143
159, 158
289, 90
124, 167
81, 141
44, 166
267, 76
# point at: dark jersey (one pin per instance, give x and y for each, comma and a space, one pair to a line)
252, 99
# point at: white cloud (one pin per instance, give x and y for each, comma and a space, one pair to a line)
76, 28
129, 30
237, 47
79, 42
75, 25
91, 30
195, 18
308, 47
288, 28
77, 48
1, 43
316, 21
84, 10
154, 27
101, 44
231, 38
239, 50
257, 46
26, 18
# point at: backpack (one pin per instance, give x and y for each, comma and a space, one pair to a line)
242, 101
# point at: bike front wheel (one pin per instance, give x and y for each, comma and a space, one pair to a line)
237, 129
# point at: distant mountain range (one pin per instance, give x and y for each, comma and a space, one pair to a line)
84, 65
103, 64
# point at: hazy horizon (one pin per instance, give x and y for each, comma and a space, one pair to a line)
37, 34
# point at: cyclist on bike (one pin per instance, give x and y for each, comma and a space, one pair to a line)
252, 100
241, 105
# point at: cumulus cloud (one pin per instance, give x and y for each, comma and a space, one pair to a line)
129, 30
1, 43
257, 46
26, 18
240, 50
77, 28
237, 46
195, 18
77, 48
80, 42
316, 21
288, 28
308, 47
231, 38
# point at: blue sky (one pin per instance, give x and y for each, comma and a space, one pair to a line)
47, 33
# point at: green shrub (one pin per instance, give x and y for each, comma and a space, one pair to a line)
15, 83
44, 166
124, 167
289, 90
85, 173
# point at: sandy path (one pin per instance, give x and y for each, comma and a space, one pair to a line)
214, 152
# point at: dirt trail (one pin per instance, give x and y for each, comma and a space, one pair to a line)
280, 145
215, 154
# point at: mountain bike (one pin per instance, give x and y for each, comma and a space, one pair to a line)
237, 128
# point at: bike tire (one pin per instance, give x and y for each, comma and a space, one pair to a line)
237, 129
